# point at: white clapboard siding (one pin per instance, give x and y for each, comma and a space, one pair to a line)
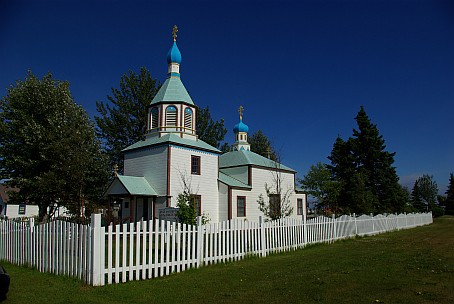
105, 255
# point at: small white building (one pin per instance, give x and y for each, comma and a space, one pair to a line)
9, 210
172, 158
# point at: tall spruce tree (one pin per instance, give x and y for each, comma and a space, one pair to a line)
48, 146
364, 169
449, 203
262, 145
210, 131
123, 118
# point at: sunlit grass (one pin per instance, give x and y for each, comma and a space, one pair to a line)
409, 266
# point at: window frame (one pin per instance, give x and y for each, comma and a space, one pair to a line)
154, 118
197, 203
188, 117
197, 166
275, 203
22, 209
299, 206
168, 110
238, 206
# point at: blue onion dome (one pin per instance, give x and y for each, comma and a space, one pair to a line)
174, 54
240, 127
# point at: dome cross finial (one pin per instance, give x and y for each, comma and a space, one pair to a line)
241, 110
174, 32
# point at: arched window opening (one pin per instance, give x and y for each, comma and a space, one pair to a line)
188, 118
171, 116
154, 118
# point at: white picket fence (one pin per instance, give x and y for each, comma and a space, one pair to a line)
105, 255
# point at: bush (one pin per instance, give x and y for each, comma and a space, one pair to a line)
438, 211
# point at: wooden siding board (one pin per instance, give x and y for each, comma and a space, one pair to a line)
204, 184
151, 164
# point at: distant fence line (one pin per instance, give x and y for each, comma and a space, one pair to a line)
104, 255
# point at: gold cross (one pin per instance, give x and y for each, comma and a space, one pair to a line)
174, 32
241, 110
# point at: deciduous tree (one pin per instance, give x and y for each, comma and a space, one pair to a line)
48, 147
424, 193
318, 183
276, 204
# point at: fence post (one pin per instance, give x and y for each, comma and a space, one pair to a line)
31, 246
262, 237
373, 222
334, 228
356, 225
97, 251
199, 242
305, 225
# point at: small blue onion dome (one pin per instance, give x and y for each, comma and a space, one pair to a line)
240, 127
174, 54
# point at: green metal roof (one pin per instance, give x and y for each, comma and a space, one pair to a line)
172, 139
172, 90
244, 158
230, 181
135, 185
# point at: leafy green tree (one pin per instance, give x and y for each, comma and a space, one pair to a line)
364, 170
261, 145
424, 193
318, 183
123, 119
210, 131
187, 203
449, 203
48, 146
187, 212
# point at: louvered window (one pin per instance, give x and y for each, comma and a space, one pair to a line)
154, 117
188, 118
171, 116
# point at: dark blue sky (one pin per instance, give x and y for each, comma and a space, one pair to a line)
301, 69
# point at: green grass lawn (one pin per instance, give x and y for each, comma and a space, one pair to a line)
409, 266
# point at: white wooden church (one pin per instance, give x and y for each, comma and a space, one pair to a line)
157, 169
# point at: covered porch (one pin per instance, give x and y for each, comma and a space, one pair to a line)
130, 199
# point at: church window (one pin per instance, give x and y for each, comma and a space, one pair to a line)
195, 164
188, 118
171, 116
197, 201
275, 205
299, 206
22, 208
154, 118
241, 206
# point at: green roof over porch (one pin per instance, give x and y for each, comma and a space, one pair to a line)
130, 185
